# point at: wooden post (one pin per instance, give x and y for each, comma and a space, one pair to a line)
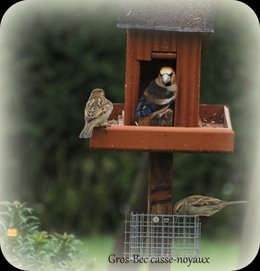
160, 183
160, 190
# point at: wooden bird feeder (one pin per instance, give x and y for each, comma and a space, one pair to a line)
159, 34
166, 33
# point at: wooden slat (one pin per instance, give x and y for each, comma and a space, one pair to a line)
207, 111
132, 78
188, 80
227, 120
164, 41
164, 55
212, 137
148, 41
151, 138
143, 44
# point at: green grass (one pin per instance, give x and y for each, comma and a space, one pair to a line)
96, 249
222, 254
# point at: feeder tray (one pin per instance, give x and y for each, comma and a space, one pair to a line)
160, 236
213, 133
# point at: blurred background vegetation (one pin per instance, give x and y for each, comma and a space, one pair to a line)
52, 60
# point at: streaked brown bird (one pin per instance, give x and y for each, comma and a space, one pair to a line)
201, 205
97, 110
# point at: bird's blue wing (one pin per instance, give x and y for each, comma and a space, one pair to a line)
150, 108
139, 107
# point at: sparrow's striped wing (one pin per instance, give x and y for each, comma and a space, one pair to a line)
96, 107
204, 200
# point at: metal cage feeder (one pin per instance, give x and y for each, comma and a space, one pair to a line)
157, 235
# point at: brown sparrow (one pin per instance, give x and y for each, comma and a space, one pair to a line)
97, 110
201, 205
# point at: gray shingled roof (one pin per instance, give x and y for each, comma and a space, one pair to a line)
167, 15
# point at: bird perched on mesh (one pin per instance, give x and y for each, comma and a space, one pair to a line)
201, 205
97, 110
160, 93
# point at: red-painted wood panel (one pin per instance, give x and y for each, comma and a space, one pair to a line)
154, 138
188, 79
216, 135
144, 41
132, 78
164, 41
153, 41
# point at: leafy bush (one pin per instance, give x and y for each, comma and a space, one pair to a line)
27, 247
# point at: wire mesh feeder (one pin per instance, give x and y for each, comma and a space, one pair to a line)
162, 236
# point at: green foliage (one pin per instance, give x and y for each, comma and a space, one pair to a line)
60, 62
26, 247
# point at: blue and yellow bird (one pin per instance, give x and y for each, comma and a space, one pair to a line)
160, 93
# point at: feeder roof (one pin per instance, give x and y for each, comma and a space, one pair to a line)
167, 15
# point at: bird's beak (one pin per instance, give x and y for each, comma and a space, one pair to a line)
166, 79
